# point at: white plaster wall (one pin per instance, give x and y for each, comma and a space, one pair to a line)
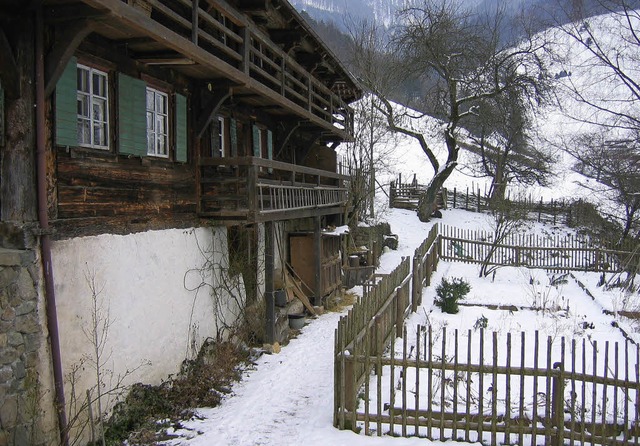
147, 286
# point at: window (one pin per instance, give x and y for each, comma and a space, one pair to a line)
157, 123
92, 107
222, 147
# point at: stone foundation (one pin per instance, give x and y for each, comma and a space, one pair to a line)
21, 338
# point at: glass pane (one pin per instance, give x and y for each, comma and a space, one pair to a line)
98, 85
99, 107
162, 149
84, 133
150, 101
83, 106
83, 80
161, 128
161, 106
151, 143
98, 136
150, 121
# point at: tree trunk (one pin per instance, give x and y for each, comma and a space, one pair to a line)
427, 204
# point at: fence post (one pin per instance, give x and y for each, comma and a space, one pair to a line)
557, 405
417, 284
400, 307
349, 388
455, 193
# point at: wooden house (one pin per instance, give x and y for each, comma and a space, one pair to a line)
156, 142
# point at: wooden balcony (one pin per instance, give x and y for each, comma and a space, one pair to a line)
214, 42
256, 190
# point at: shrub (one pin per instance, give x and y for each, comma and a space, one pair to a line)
449, 293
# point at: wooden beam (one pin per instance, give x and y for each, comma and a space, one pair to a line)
65, 45
252, 5
8, 68
211, 110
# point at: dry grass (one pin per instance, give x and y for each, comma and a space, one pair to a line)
339, 301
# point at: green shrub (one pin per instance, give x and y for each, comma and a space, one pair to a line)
449, 293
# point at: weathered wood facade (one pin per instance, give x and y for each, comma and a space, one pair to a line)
249, 92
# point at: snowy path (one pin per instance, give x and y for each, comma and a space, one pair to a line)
287, 400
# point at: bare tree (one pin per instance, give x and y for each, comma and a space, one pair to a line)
610, 47
502, 138
461, 60
369, 152
604, 82
613, 165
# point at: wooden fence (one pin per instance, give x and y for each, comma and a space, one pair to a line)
533, 251
570, 212
374, 321
508, 390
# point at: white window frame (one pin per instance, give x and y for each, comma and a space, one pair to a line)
93, 99
155, 116
223, 136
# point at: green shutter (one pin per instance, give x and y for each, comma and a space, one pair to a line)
256, 141
67, 106
181, 128
270, 147
132, 115
234, 137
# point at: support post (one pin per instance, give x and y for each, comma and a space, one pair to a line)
317, 250
270, 332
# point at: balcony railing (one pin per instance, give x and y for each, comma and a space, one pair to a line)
228, 35
256, 189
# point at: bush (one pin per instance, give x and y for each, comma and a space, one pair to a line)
449, 293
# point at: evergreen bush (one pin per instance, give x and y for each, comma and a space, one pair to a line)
449, 293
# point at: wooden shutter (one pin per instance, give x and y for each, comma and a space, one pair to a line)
67, 105
132, 115
256, 141
233, 134
181, 128
270, 147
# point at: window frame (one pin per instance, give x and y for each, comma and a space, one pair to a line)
167, 122
91, 98
224, 141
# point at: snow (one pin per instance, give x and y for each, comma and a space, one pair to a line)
287, 398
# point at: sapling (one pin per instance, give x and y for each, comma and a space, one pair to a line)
449, 293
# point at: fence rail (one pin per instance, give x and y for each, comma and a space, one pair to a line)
511, 390
533, 251
562, 392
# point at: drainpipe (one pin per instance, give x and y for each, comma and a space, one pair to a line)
45, 240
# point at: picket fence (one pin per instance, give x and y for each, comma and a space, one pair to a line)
552, 253
505, 391
416, 389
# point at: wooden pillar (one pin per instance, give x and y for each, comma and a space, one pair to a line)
18, 183
270, 331
317, 250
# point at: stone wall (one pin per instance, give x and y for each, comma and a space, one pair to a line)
21, 338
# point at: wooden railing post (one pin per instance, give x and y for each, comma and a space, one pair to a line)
246, 50
194, 21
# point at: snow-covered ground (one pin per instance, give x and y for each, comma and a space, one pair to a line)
287, 399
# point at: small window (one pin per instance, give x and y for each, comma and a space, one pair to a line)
157, 123
223, 138
92, 107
